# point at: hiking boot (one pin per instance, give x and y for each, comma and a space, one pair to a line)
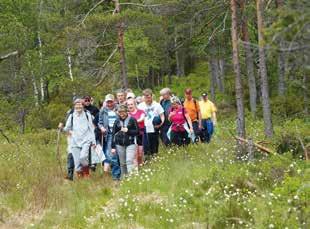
85, 171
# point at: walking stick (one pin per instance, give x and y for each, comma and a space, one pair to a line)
58, 150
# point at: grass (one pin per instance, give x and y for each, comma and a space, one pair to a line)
202, 186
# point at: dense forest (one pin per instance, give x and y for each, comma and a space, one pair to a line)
251, 56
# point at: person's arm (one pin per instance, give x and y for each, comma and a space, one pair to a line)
101, 122
199, 116
189, 121
141, 119
214, 110
68, 126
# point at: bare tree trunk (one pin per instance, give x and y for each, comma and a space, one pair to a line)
263, 71
121, 46
179, 58
69, 64
281, 71
213, 78
236, 64
281, 61
249, 60
40, 54
221, 74
306, 98
34, 84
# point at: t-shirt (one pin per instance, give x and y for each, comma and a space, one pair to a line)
111, 117
151, 111
137, 116
178, 119
192, 107
207, 108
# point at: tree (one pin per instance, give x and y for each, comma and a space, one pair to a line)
263, 70
236, 65
249, 61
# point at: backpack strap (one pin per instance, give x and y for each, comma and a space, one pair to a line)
183, 111
71, 113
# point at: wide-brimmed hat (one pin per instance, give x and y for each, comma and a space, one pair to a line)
109, 97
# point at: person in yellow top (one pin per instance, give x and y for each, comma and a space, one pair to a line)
208, 116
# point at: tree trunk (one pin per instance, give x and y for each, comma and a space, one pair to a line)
214, 75
121, 46
69, 64
281, 61
248, 60
236, 65
40, 54
263, 71
179, 58
221, 74
34, 84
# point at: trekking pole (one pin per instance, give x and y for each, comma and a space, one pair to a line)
58, 150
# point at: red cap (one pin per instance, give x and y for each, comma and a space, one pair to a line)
188, 91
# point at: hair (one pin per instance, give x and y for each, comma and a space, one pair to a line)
120, 91
133, 100
148, 91
129, 90
164, 91
122, 108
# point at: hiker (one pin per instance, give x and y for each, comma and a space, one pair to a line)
154, 119
139, 115
121, 97
89, 106
80, 128
208, 115
130, 95
107, 117
193, 110
124, 133
181, 124
165, 102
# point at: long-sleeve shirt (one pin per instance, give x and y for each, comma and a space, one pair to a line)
82, 129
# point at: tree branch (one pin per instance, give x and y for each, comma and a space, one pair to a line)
14, 53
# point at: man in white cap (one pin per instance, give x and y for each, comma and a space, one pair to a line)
107, 117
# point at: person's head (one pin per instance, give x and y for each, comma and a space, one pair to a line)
131, 105
128, 90
204, 96
109, 101
175, 102
165, 93
139, 99
148, 96
188, 93
87, 100
130, 95
122, 111
78, 105
121, 96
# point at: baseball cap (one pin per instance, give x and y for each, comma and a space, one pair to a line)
204, 94
109, 97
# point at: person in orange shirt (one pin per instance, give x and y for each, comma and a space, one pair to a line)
193, 110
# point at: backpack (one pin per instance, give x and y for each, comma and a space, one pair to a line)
122, 138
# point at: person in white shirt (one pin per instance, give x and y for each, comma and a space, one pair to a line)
154, 119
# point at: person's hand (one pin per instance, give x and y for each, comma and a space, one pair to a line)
191, 130
93, 146
103, 130
124, 129
172, 113
157, 126
200, 126
214, 123
69, 133
113, 151
60, 126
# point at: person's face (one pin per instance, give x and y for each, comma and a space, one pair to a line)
122, 114
78, 107
87, 102
166, 96
120, 97
188, 96
110, 104
174, 105
148, 98
205, 98
131, 105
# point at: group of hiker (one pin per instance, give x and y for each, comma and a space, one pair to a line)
124, 132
